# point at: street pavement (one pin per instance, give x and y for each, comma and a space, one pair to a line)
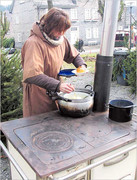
91, 49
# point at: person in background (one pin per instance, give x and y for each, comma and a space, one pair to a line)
42, 55
80, 45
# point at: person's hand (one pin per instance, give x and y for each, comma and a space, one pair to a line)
66, 87
83, 67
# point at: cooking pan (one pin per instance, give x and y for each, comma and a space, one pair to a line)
78, 103
121, 110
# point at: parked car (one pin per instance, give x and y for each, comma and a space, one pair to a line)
10, 50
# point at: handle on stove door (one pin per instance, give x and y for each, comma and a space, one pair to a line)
125, 155
13, 161
91, 166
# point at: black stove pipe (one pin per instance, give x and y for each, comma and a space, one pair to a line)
104, 61
102, 81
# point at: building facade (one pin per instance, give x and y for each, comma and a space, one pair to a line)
85, 19
86, 22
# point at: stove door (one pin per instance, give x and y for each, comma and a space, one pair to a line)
82, 176
117, 168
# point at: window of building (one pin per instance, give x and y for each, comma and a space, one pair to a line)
74, 1
88, 33
21, 1
130, 3
74, 28
19, 37
74, 34
46, 11
74, 14
17, 19
87, 14
95, 32
94, 14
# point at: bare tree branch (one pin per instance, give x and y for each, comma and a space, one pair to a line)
50, 4
86, 2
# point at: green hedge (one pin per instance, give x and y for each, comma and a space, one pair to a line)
120, 44
131, 70
9, 43
11, 86
129, 66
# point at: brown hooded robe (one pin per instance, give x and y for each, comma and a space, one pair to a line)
41, 57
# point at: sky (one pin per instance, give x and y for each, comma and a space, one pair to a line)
5, 2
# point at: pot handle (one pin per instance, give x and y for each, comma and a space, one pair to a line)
62, 98
91, 89
54, 96
107, 106
88, 85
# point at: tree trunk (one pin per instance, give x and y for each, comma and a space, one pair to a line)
50, 4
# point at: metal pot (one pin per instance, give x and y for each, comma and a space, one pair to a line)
121, 110
75, 104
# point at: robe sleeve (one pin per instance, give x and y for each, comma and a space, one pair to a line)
70, 52
72, 55
78, 61
44, 81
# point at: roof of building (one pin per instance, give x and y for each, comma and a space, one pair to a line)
67, 4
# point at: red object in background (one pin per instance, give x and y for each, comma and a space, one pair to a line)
136, 39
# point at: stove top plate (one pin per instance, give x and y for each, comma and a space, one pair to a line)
51, 143
54, 141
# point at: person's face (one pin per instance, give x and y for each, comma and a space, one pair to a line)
56, 35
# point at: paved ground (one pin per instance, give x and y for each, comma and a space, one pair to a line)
91, 49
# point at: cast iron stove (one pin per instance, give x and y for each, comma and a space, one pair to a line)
51, 143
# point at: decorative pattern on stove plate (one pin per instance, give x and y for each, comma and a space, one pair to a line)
53, 141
